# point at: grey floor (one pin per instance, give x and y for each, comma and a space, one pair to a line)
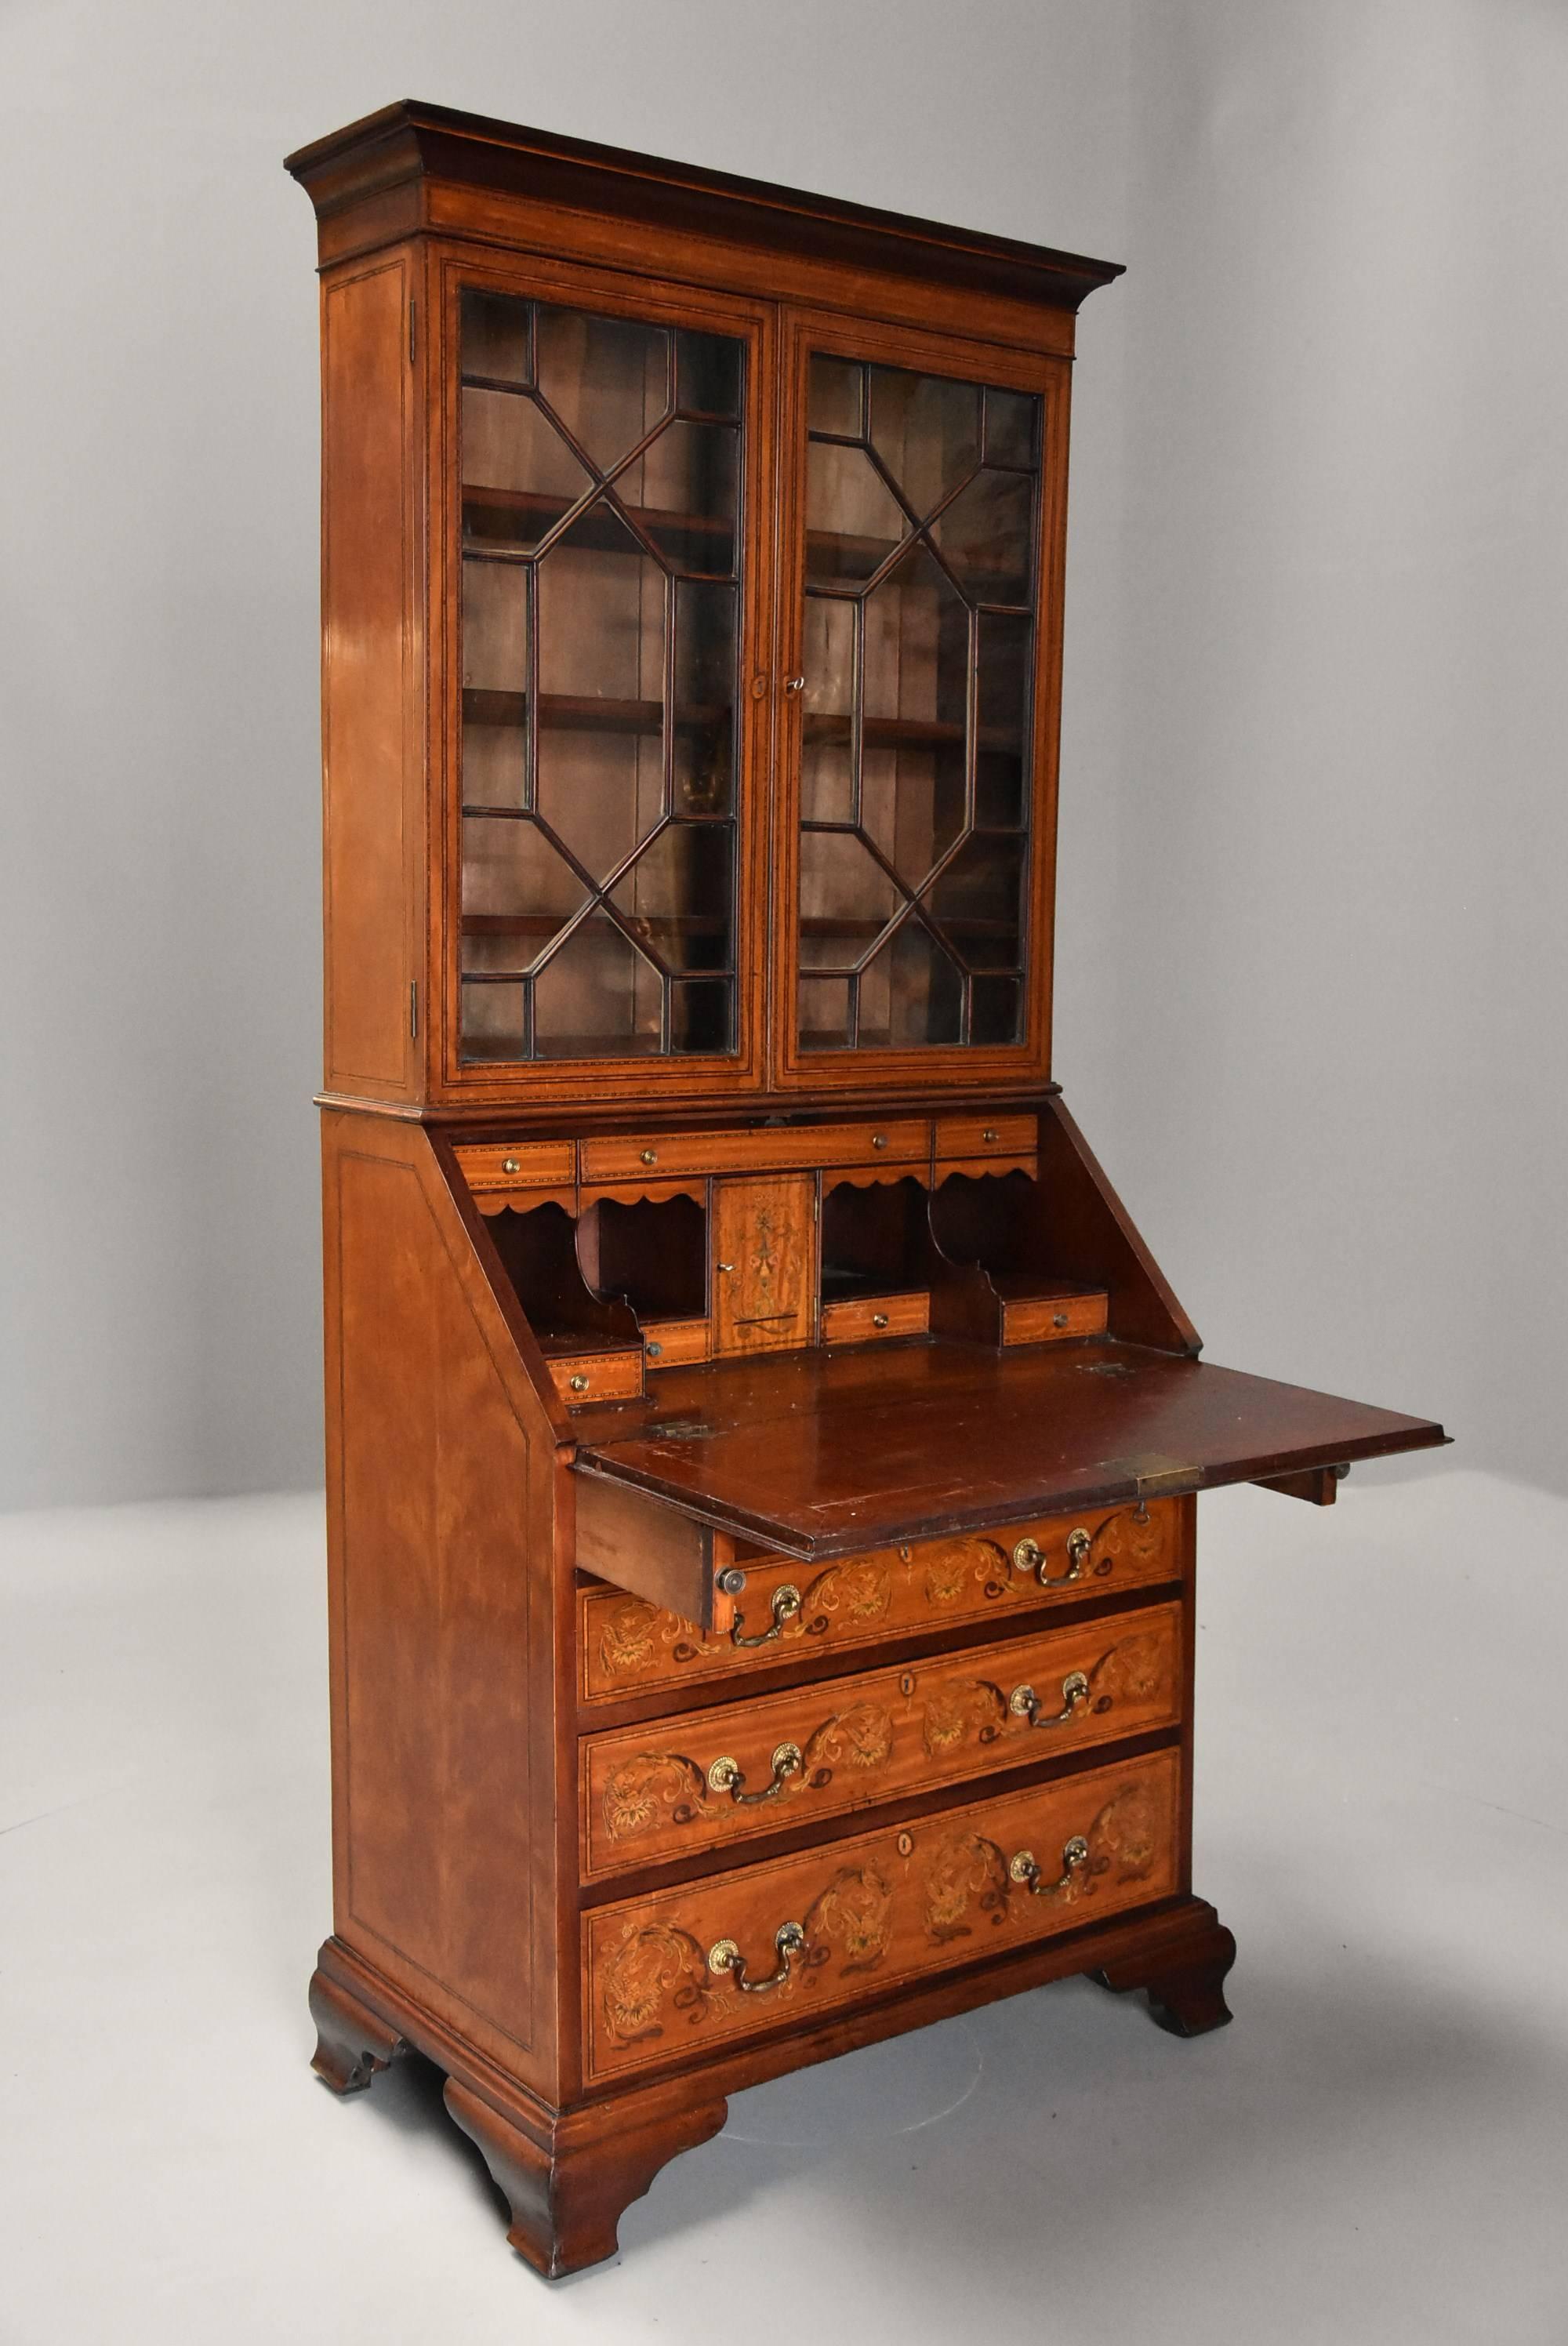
1377, 2150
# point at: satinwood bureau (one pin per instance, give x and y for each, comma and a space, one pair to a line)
761, 1449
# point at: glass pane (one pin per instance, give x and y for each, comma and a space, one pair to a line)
705, 694
846, 902
837, 401
602, 622
607, 379
494, 628
675, 898
920, 510
1006, 659
497, 334
706, 374
516, 887
994, 1006
700, 1016
824, 1013
518, 474
926, 430
1012, 428
827, 725
853, 521
686, 485
603, 524
597, 997
493, 1021
986, 537
912, 993
977, 903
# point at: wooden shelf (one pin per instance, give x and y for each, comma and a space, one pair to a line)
566, 712
491, 519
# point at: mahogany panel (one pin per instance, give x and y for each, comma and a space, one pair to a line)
372, 835
871, 1913
655, 1791
440, 1528
817, 1453
626, 1646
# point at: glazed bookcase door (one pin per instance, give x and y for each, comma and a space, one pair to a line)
606, 479
924, 501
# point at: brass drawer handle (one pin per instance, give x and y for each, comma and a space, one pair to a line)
727, 1776
724, 1956
1024, 1870
578, 1383
1024, 1703
650, 1155
879, 1318
879, 1140
990, 1135
1030, 1556
511, 1165
785, 1604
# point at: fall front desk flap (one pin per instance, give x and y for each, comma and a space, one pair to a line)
817, 1455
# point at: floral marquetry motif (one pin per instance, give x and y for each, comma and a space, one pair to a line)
655, 1789
860, 1739
655, 1977
953, 1565
963, 1881
849, 1921
962, 1711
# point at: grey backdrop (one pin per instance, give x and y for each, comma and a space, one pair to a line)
1312, 947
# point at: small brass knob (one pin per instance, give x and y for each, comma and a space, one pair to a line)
989, 1135
1059, 1319
650, 1155
654, 1351
510, 1164
579, 1383
879, 1318
879, 1140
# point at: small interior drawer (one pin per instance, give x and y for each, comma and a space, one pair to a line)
1050, 1316
676, 1343
520, 1165
665, 1976
584, 1377
872, 1317
986, 1136
765, 1148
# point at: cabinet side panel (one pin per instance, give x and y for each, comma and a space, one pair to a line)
373, 847
439, 1469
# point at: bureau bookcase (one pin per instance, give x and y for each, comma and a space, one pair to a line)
762, 1452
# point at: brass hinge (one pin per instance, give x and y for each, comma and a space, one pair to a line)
413, 1009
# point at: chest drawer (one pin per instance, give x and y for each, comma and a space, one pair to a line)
763, 1946
788, 1611
715, 1776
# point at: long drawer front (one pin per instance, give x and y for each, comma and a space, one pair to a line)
788, 1611
769, 1946
659, 1791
